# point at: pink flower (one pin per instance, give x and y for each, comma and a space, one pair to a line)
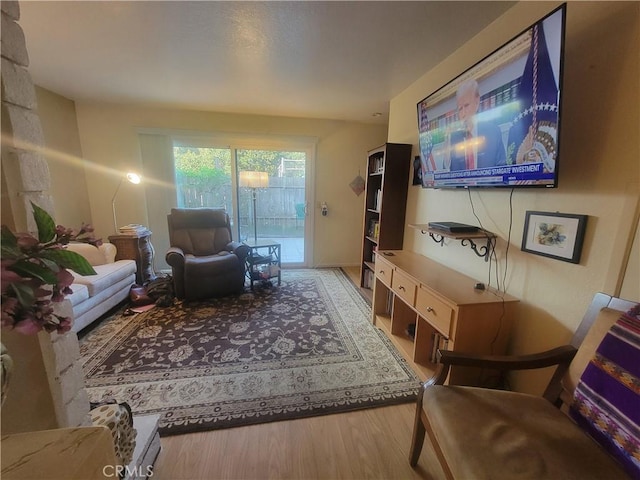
65, 324
63, 231
27, 296
26, 241
65, 278
43, 310
38, 291
10, 307
27, 326
57, 296
8, 276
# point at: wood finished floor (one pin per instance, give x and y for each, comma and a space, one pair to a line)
364, 444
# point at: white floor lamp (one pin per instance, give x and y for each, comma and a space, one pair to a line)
133, 178
254, 180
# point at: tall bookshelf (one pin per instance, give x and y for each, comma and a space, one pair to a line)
386, 188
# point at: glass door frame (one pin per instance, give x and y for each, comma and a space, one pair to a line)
252, 142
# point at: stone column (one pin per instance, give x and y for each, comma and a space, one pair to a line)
48, 377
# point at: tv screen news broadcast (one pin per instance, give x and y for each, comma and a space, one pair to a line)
497, 124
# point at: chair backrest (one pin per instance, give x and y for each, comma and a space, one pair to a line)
603, 312
199, 231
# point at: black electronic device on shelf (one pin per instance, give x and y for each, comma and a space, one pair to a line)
453, 227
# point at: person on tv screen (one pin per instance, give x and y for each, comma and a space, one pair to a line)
479, 144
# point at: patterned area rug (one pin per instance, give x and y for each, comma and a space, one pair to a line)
301, 349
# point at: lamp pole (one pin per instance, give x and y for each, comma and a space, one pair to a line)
255, 217
113, 205
131, 177
253, 180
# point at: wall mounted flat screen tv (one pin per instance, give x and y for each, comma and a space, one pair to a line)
497, 124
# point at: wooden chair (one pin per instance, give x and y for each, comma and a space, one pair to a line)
482, 433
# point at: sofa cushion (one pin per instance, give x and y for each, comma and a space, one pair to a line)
107, 275
524, 434
80, 294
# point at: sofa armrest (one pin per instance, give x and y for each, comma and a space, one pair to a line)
109, 250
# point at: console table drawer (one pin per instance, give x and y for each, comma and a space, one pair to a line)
384, 271
404, 287
437, 312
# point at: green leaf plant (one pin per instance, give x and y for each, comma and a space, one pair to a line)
35, 273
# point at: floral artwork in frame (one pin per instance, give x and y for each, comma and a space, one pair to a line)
554, 235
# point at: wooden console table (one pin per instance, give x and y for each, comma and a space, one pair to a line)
422, 305
139, 248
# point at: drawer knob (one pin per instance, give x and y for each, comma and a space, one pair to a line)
401, 288
381, 272
429, 309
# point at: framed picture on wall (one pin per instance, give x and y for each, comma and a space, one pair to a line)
554, 235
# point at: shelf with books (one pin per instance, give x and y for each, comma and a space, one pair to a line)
374, 228
385, 201
376, 163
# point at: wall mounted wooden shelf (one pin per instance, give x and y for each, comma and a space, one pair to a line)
466, 238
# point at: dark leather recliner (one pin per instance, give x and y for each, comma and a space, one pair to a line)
204, 260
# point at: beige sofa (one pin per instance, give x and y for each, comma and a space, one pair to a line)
94, 295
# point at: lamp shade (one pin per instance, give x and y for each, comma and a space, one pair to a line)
253, 179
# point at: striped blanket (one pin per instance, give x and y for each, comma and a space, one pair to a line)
607, 399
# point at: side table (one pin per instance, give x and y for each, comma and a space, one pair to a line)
263, 261
136, 247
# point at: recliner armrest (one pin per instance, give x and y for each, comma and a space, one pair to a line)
240, 249
175, 256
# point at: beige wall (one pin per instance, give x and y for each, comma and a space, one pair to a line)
64, 156
111, 144
599, 173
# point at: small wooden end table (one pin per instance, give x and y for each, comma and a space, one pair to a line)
136, 247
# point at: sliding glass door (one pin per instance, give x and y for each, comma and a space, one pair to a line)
272, 202
265, 192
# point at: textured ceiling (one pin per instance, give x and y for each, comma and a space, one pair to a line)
336, 60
